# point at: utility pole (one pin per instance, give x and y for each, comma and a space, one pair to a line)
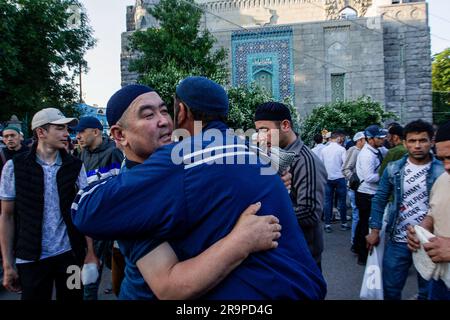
81, 88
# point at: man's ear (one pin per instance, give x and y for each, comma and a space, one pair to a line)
118, 135
285, 125
182, 114
40, 132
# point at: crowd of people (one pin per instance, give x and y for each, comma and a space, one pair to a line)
210, 216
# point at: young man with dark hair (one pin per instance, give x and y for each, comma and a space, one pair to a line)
397, 148
318, 140
38, 239
333, 157
408, 182
437, 220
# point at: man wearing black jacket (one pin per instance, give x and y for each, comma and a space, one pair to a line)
12, 139
101, 159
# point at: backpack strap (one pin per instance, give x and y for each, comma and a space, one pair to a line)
2, 156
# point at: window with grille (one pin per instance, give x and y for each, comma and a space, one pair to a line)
337, 87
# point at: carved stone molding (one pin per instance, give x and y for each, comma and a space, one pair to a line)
334, 7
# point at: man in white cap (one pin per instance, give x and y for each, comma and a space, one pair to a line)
38, 239
348, 169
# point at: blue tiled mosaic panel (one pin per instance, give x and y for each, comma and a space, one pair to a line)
268, 49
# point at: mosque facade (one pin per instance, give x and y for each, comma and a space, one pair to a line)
318, 51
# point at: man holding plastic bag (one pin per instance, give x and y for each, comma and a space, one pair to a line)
408, 181
432, 251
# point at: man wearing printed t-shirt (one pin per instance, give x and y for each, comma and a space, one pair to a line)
408, 181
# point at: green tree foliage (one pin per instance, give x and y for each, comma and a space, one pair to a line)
441, 71
243, 103
441, 107
350, 116
42, 45
441, 86
176, 49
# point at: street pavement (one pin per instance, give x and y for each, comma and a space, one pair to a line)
342, 274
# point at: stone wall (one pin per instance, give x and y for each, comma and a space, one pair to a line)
127, 77
337, 48
322, 49
407, 50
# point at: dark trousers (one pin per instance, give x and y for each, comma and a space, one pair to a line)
102, 249
335, 188
117, 270
439, 291
397, 260
363, 203
38, 278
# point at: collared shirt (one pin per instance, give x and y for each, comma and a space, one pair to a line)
55, 239
318, 149
333, 157
367, 164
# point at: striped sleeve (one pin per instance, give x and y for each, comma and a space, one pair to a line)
308, 190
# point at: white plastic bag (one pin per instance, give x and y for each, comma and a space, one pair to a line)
89, 273
423, 263
372, 284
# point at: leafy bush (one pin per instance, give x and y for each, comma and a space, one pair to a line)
350, 116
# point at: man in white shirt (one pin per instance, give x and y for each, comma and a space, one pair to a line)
333, 157
367, 164
348, 170
318, 139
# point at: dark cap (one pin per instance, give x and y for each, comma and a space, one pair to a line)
443, 133
272, 111
11, 128
374, 131
203, 95
121, 100
88, 123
